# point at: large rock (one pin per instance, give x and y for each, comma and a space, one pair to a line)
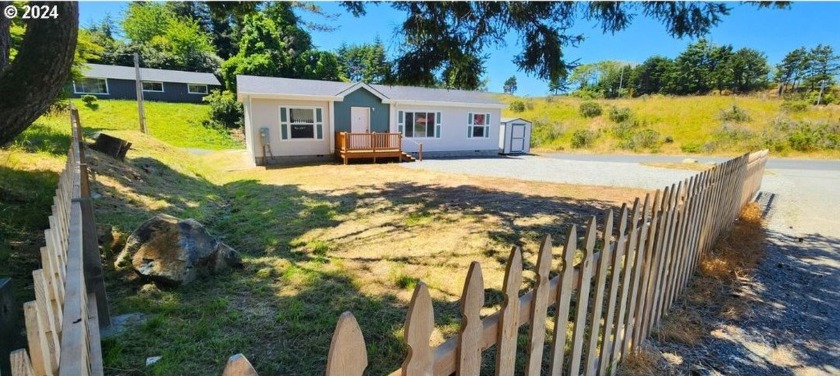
172, 251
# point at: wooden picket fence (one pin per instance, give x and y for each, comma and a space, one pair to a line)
608, 302
62, 323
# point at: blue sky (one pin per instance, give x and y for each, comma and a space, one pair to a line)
775, 32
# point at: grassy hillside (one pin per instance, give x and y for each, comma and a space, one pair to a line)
29, 168
701, 124
178, 124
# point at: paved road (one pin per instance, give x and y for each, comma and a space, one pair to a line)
779, 163
795, 325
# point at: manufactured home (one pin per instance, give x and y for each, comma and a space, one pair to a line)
303, 120
118, 82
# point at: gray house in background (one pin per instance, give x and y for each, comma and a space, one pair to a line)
116, 82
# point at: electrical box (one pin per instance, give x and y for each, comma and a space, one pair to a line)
264, 136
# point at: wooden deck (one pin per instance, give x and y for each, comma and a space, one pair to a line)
372, 146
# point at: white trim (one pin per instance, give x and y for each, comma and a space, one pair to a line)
434, 125
447, 104
367, 87
288, 122
331, 134
107, 90
392, 102
206, 89
162, 88
324, 98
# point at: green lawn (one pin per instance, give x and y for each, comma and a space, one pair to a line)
178, 124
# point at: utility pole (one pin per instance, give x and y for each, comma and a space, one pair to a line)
139, 86
822, 89
621, 81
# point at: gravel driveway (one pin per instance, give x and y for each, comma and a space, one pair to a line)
794, 328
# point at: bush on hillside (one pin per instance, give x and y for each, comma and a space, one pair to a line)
590, 109
545, 133
691, 147
517, 106
643, 139
619, 115
583, 138
794, 106
225, 111
736, 114
625, 129
815, 136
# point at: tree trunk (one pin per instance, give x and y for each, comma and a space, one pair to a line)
30, 84
5, 36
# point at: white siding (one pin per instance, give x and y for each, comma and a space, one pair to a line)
265, 113
454, 123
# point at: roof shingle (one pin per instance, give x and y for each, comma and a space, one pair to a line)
148, 74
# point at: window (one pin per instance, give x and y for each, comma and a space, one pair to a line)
196, 89
478, 125
153, 86
417, 124
301, 123
91, 86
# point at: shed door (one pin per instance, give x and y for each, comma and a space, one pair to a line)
518, 136
359, 119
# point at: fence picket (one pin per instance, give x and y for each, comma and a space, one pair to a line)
635, 282
509, 315
347, 356
21, 366
52, 283
564, 295
46, 318
626, 269
647, 268
608, 335
539, 305
419, 325
596, 313
37, 340
472, 299
238, 365
582, 295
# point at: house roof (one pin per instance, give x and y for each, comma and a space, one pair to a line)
148, 74
292, 87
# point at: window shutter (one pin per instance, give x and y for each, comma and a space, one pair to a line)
319, 131
400, 117
284, 126
437, 125
400, 128
487, 125
318, 115
469, 118
469, 131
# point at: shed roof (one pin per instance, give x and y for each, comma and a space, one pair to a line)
510, 119
277, 86
149, 74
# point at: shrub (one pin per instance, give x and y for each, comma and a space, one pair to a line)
590, 109
90, 101
619, 115
669, 140
691, 147
624, 130
794, 106
517, 106
583, 138
736, 114
815, 136
643, 139
225, 111
545, 133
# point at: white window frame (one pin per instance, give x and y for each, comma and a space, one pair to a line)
162, 88
437, 125
471, 126
288, 124
107, 90
206, 89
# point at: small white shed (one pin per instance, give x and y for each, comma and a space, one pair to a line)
515, 136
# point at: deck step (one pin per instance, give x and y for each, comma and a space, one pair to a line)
405, 157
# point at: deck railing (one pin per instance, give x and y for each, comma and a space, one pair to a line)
605, 305
62, 323
368, 141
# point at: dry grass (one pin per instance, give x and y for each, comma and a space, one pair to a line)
681, 166
713, 295
639, 363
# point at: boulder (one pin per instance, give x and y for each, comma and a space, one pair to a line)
175, 251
